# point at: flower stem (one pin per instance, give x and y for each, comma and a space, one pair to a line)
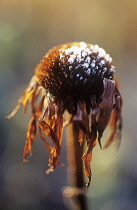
75, 170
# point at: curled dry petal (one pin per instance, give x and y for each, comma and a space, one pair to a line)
106, 107
115, 121
53, 129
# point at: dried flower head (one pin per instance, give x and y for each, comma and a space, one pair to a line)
78, 78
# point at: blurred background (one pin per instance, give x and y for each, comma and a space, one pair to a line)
27, 30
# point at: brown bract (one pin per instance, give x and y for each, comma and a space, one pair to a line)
77, 78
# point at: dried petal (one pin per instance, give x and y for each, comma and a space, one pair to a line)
48, 147
106, 107
90, 145
115, 122
55, 133
31, 134
47, 129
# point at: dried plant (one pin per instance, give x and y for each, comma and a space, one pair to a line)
77, 78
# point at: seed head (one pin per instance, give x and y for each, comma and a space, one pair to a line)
74, 72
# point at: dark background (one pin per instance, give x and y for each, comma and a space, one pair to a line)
27, 30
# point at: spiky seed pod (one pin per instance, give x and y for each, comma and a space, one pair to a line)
74, 72
79, 78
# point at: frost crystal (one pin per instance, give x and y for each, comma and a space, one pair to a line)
93, 63
74, 52
86, 65
88, 71
88, 60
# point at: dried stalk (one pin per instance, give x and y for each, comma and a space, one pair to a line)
76, 190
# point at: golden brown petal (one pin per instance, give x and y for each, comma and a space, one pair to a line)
31, 134
47, 129
40, 107
40, 132
81, 136
91, 142
86, 162
25, 97
52, 127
